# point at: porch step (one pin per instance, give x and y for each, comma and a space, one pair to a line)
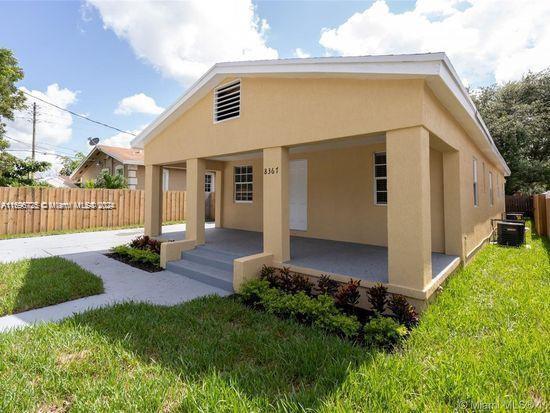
207, 274
205, 256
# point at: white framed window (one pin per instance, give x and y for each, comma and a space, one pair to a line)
165, 179
244, 183
380, 179
475, 186
119, 170
209, 183
227, 101
491, 195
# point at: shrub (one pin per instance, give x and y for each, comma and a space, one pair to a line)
252, 291
320, 311
326, 285
403, 310
300, 283
378, 297
270, 275
145, 242
383, 332
288, 281
138, 256
348, 294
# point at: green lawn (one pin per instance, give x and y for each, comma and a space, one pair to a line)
483, 342
40, 282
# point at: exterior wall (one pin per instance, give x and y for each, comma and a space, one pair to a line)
341, 203
140, 177
476, 221
177, 180
285, 111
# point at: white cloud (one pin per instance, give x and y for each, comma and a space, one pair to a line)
486, 40
301, 53
121, 139
138, 103
53, 127
183, 39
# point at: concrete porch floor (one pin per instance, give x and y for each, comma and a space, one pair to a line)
367, 262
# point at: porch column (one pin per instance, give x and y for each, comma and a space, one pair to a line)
275, 218
153, 200
452, 204
409, 221
218, 197
195, 200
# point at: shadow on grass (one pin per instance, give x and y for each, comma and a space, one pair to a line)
41, 282
219, 339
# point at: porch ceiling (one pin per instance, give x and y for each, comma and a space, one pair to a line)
367, 262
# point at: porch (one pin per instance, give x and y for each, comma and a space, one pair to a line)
366, 262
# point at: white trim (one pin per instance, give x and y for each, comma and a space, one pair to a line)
235, 185
435, 68
165, 179
475, 182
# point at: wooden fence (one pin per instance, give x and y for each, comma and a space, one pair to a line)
520, 203
542, 214
27, 210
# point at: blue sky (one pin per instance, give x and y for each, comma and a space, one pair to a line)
101, 53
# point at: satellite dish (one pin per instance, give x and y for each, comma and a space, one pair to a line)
93, 141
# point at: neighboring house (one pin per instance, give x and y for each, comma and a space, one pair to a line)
127, 162
378, 168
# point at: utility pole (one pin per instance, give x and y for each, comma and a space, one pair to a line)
33, 128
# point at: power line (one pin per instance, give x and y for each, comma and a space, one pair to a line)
28, 144
77, 114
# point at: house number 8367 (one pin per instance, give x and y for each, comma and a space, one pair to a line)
271, 171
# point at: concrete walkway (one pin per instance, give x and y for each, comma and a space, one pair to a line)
122, 282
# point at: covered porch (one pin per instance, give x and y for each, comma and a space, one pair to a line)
368, 263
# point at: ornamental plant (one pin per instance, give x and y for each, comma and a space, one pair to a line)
404, 312
383, 332
378, 297
326, 285
348, 294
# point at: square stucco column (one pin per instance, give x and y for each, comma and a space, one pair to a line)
409, 220
218, 197
153, 200
452, 204
275, 218
195, 200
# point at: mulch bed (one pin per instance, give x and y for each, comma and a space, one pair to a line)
126, 260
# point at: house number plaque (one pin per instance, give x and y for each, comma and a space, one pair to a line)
271, 171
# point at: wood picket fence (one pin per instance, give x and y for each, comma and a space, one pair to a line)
520, 203
25, 210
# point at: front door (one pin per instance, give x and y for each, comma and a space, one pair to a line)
298, 195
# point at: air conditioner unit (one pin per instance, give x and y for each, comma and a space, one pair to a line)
511, 233
514, 216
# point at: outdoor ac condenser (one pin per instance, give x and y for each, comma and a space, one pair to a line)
511, 233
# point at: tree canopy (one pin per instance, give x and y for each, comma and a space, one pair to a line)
70, 163
518, 117
13, 171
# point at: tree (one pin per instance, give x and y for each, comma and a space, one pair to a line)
108, 181
13, 171
71, 163
518, 117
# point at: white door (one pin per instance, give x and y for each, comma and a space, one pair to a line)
298, 195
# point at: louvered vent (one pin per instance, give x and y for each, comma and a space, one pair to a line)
227, 101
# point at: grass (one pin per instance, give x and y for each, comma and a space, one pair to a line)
40, 282
483, 342
76, 231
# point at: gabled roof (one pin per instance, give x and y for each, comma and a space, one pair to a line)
435, 68
126, 156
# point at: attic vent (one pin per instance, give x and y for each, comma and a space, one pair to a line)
227, 101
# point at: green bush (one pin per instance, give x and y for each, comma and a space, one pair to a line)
383, 332
320, 311
135, 255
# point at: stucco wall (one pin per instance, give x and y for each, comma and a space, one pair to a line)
476, 221
340, 197
285, 111
177, 180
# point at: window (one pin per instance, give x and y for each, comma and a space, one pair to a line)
243, 183
227, 101
380, 179
208, 183
119, 170
491, 199
165, 179
476, 200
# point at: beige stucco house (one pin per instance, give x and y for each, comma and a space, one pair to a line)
377, 167
127, 162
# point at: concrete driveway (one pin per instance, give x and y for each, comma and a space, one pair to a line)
122, 282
